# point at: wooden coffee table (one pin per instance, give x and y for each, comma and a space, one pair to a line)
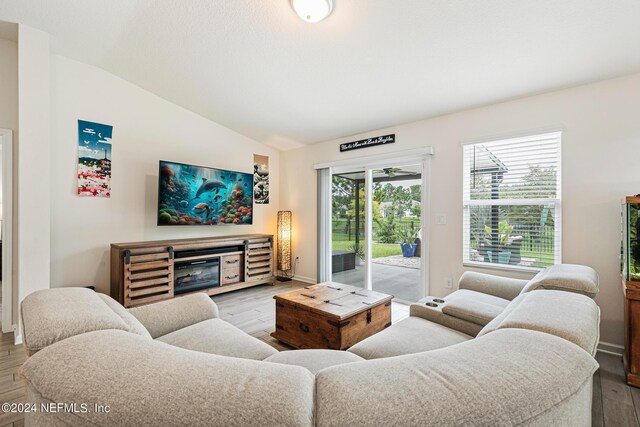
330, 315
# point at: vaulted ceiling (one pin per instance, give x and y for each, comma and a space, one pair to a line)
255, 67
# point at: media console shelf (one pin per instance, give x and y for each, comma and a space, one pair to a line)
145, 272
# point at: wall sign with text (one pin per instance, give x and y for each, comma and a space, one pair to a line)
369, 142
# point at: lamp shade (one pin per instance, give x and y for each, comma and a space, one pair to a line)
283, 247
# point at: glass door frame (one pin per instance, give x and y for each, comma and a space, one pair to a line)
367, 164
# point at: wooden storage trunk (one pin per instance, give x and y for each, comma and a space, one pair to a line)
330, 316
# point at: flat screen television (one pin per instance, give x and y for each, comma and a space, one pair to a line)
198, 195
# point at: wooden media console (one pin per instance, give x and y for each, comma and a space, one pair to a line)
145, 272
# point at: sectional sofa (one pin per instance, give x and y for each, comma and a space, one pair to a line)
177, 363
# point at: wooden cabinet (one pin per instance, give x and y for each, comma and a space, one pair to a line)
231, 268
143, 272
630, 277
631, 356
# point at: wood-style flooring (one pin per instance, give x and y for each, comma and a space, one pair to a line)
12, 387
252, 310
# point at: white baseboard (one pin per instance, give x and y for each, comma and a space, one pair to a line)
305, 279
8, 329
608, 348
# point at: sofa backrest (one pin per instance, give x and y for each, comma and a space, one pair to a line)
566, 277
508, 377
150, 383
501, 287
571, 316
51, 315
164, 317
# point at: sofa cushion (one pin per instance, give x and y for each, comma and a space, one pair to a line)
215, 336
51, 315
411, 335
163, 317
571, 316
566, 277
473, 306
314, 360
134, 325
149, 383
509, 377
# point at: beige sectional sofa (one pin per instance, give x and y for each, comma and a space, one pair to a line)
177, 363
561, 300
482, 297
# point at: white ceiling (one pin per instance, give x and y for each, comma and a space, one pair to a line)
254, 66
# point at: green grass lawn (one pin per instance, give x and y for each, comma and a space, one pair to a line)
543, 259
379, 249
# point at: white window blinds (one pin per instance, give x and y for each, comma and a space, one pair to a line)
512, 201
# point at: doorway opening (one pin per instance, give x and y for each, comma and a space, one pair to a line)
396, 230
373, 224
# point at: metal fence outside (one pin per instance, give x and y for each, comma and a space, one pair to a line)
535, 238
346, 228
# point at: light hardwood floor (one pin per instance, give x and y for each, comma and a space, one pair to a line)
12, 388
252, 310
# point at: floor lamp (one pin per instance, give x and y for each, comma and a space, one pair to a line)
283, 247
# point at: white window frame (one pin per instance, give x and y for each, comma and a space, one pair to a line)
555, 203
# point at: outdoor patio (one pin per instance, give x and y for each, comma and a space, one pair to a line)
401, 282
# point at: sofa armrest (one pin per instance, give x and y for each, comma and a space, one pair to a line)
501, 287
436, 315
164, 317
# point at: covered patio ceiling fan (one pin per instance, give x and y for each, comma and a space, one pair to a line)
392, 172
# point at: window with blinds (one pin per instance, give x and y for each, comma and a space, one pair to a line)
512, 202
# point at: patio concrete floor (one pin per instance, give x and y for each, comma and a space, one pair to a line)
401, 282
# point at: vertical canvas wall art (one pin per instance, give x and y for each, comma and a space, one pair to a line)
261, 179
94, 159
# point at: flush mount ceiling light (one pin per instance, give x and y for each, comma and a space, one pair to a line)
312, 10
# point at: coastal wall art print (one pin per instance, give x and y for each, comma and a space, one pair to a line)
197, 195
94, 159
261, 179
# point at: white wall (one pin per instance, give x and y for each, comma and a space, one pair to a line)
9, 88
9, 110
146, 129
9, 85
33, 162
601, 147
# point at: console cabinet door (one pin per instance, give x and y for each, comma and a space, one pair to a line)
148, 277
259, 261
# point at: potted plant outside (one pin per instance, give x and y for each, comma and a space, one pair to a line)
358, 249
504, 239
407, 238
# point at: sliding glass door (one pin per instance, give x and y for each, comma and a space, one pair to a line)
348, 228
376, 229
396, 213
